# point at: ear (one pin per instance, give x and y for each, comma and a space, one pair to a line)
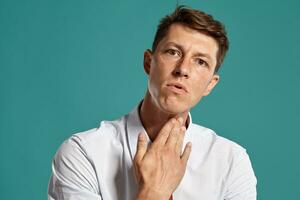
213, 82
147, 60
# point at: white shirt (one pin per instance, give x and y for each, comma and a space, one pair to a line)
98, 165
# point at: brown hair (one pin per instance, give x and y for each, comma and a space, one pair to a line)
197, 20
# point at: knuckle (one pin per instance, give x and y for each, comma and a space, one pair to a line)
169, 151
166, 150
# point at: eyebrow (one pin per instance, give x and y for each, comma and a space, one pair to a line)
198, 54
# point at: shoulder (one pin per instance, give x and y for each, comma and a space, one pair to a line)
107, 131
210, 137
100, 139
210, 143
78, 160
225, 158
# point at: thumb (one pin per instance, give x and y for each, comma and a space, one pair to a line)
141, 147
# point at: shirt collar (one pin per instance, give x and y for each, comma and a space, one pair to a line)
134, 126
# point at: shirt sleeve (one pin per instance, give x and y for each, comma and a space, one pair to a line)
73, 176
242, 181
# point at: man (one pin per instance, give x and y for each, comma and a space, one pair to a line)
156, 151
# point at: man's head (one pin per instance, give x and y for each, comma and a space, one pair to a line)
184, 59
198, 21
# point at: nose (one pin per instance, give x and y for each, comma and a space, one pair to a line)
182, 68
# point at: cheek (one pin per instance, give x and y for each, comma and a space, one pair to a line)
198, 88
159, 71
155, 80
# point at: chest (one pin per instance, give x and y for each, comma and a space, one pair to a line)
203, 180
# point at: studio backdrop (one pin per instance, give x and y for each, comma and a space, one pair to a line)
67, 65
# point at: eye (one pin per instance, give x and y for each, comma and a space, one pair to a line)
173, 52
201, 62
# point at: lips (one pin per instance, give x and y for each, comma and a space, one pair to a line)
177, 87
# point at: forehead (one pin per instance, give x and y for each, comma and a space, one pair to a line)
190, 40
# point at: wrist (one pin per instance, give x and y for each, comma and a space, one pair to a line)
151, 194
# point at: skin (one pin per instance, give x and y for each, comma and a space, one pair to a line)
183, 58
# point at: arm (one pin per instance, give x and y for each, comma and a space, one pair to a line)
242, 180
73, 176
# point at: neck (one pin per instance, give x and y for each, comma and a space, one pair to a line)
153, 118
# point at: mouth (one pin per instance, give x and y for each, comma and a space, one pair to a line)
177, 87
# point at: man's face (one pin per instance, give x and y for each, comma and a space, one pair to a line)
181, 70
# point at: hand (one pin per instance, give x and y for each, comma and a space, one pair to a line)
160, 168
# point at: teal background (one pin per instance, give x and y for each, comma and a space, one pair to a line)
66, 65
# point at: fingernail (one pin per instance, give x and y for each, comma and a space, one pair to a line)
141, 136
180, 120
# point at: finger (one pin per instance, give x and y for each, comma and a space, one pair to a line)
174, 135
164, 132
186, 153
181, 121
141, 147
180, 140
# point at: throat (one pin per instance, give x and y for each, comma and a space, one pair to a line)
153, 118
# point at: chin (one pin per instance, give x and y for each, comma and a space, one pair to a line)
173, 107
